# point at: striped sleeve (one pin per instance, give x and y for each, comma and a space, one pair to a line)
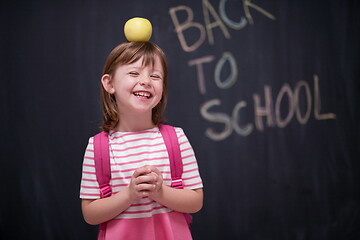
191, 176
89, 187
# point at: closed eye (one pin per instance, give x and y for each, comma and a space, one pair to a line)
134, 74
156, 77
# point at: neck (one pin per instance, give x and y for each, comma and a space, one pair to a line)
134, 123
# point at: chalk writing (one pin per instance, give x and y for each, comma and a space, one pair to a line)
208, 8
289, 104
200, 71
231, 79
271, 112
227, 83
221, 20
305, 118
180, 28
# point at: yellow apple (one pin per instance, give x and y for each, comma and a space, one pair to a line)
138, 30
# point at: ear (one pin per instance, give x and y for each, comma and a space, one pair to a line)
107, 84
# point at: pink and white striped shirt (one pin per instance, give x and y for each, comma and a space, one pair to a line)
132, 150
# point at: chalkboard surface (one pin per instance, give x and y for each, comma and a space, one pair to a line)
266, 91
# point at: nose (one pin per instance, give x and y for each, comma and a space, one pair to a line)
145, 81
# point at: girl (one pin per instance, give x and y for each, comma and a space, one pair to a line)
143, 205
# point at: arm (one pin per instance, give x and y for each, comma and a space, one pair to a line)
101, 210
180, 200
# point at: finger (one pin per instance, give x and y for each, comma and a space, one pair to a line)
148, 178
141, 171
145, 187
142, 194
158, 176
155, 170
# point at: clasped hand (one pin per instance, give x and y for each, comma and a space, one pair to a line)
145, 182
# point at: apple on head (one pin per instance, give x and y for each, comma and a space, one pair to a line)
138, 29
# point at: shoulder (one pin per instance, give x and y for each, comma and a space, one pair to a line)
179, 131
106, 134
180, 134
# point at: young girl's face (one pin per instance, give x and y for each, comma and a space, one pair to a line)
138, 88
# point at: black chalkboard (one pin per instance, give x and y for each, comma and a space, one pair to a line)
266, 91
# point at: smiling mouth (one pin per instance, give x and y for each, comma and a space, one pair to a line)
146, 95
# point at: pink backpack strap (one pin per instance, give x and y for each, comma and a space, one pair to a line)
102, 163
176, 166
172, 145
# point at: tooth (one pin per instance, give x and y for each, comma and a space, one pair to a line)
142, 94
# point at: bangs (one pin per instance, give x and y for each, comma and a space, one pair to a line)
143, 50
130, 52
148, 55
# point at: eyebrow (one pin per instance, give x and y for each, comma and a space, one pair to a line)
139, 68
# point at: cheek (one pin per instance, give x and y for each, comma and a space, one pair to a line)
159, 94
159, 90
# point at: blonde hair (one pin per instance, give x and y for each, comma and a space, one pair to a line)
128, 53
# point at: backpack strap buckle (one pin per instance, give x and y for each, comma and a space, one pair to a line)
177, 183
105, 191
